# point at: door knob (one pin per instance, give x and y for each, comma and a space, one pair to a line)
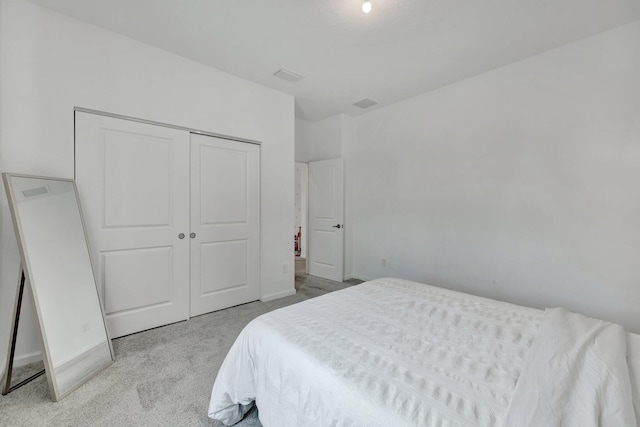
337, 226
181, 236
192, 235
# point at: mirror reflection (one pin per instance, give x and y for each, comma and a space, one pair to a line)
58, 269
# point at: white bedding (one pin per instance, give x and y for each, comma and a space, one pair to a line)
576, 375
385, 353
633, 360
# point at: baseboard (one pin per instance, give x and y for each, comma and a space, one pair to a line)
347, 277
359, 277
278, 295
27, 359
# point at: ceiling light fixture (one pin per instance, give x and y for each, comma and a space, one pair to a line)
366, 6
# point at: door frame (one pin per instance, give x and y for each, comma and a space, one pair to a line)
154, 123
304, 214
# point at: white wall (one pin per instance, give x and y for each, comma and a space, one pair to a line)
319, 140
520, 184
325, 141
302, 135
348, 142
50, 63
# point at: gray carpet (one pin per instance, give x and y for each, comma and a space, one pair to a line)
161, 377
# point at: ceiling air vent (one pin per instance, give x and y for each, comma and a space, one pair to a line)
365, 103
287, 75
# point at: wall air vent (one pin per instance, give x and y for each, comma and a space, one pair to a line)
365, 103
287, 75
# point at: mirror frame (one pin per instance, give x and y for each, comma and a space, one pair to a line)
56, 394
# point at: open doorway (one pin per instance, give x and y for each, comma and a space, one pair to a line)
300, 229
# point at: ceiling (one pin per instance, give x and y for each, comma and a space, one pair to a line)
401, 49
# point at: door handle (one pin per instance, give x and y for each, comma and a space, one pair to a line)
192, 235
337, 226
181, 236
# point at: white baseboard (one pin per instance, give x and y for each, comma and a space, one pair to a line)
359, 277
27, 359
278, 295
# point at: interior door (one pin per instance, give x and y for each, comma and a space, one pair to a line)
133, 183
225, 223
326, 227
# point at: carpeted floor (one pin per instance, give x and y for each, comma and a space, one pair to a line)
161, 377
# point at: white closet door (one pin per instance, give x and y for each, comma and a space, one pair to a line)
133, 182
326, 228
225, 220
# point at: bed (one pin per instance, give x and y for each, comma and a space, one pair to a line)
391, 352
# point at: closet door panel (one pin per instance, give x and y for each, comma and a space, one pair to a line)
133, 181
137, 174
223, 184
137, 278
225, 217
224, 266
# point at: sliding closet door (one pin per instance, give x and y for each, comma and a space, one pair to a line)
225, 223
133, 181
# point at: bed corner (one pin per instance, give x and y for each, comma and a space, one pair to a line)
633, 360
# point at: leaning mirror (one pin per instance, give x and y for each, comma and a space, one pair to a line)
56, 264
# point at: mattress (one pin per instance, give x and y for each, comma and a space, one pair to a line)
389, 352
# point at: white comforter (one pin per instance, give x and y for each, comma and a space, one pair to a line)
385, 353
576, 375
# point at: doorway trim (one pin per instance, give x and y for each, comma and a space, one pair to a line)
304, 207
